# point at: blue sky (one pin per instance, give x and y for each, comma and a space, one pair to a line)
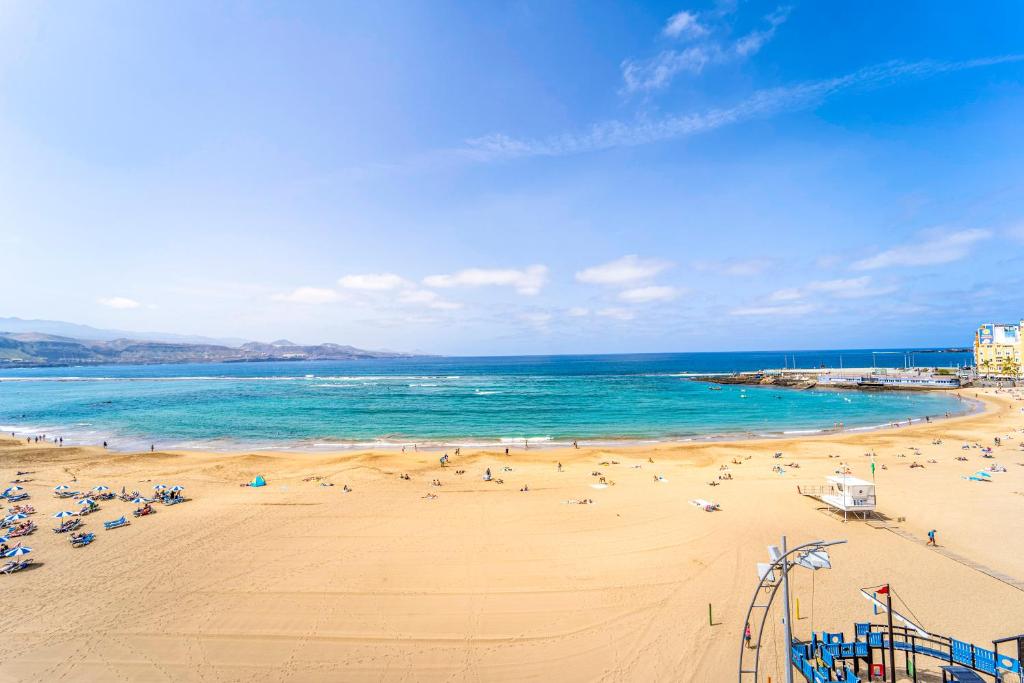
523, 177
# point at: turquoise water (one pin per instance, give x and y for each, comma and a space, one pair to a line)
439, 401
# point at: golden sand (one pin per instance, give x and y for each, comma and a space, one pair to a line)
298, 581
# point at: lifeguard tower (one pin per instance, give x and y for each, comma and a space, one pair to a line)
843, 493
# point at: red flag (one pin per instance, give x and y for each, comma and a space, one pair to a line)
884, 590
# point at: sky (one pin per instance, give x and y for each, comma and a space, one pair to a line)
516, 177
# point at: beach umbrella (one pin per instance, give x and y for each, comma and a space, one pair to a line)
15, 517
4, 539
177, 488
159, 487
15, 552
139, 501
12, 489
64, 513
100, 488
62, 487
87, 501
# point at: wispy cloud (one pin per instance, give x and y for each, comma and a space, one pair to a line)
616, 313
735, 267
684, 25
624, 271
613, 133
788, 310
528, 281
655, 73
309, 295
929, 251
373, 282
752, 43
428, 298
642, 295
658, 71
842, 288
119, 302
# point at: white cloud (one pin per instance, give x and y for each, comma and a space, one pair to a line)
373, 281
684, 25
752, 43
647, 294
644, 75
937, 250
425, 297
578, 312
623, 271
612, 134
616, 313
527, 281
309, 295
734, 267
787, 294
843, 288
119, 302
658, 71
795, 309
851, 288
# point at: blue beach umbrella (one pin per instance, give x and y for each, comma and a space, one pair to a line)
177, 488
159, 487
15, 517
139, 500
87, 501
15, 552
12, 489
101, 488
62, 487
4, 539
64, 513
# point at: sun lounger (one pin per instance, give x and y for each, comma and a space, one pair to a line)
67, 526
82, 541
14, 566
66, 494
173, 501
142, 512
114, 524
18, 496
22, 531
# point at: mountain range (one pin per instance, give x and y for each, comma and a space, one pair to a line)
36, 344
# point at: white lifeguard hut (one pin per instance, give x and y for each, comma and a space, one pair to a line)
845, 494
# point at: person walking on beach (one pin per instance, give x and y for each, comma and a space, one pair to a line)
931, 538
746, 634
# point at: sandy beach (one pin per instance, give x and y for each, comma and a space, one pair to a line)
301, 581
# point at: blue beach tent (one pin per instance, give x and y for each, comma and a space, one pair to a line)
259, 481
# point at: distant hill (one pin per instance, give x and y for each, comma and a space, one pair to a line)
75, 331
37, 349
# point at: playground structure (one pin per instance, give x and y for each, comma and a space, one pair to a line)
845, 494
828, 656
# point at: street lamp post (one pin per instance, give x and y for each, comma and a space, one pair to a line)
812, 555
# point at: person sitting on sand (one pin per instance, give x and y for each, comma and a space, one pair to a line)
487, 474
525, 488
346, 489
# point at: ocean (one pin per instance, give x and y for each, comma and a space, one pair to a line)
446, 401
